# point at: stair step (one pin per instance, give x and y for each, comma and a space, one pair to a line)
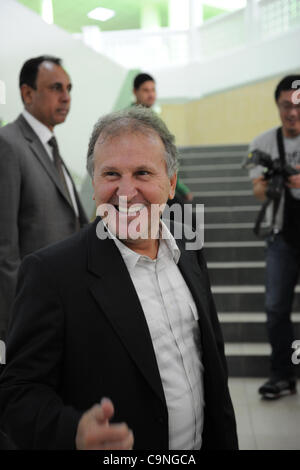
231, 232
236, 272
247, 349
234, 253
224, 198
227, 217
220, 169
212, 167
186, 173
244, 298
242, 289
216, 179
213, 154
205, 159
244, 332
237, 264
225, 209
235, 244
224, 193
249, 317
215, 186
249, 359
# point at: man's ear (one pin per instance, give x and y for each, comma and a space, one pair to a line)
173, 182
27, 94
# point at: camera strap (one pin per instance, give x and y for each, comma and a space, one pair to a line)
280, 146
276, 202
281, 151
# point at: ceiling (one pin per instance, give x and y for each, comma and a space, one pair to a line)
71, 15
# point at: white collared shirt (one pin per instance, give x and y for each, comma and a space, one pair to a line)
171, 315
44, 134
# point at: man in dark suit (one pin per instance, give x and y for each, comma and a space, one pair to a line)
114, 341
39, 204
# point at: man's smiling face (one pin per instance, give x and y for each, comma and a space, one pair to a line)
131, 165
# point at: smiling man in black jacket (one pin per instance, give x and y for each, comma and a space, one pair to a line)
114, 341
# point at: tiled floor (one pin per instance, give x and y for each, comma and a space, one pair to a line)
261, 424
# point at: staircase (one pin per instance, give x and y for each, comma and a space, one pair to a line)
235, 257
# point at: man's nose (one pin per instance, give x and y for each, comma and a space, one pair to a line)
65, 96
294, 113
127, 188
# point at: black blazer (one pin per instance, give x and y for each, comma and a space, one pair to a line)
78, 333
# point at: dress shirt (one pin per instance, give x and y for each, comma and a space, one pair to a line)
171, 315
44, 134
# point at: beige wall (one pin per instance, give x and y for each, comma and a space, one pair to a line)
234, 116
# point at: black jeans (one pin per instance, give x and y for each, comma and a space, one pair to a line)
282, 273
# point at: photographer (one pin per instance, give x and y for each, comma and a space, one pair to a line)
283, 242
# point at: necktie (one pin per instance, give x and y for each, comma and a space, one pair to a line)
58, 163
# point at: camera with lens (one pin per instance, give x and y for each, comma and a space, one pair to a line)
276, 173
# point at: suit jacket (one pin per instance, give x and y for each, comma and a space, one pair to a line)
78, 333
34, 209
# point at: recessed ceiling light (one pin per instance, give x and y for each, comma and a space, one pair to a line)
101, 14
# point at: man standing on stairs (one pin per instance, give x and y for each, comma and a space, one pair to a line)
283, 243
39, 204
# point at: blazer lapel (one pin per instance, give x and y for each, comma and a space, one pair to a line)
111, 286
196, 281
37, 148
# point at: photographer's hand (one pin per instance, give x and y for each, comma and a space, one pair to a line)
294, 181
259, 188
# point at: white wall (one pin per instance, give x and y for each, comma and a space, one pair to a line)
251, 63
97, 81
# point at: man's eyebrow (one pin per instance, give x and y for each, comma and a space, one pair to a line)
139, 168
144, 167
109, 168
61, 84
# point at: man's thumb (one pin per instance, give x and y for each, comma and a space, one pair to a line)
106, 410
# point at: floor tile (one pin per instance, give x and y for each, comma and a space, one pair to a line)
291, 442
264, 424
247, 441
237, 387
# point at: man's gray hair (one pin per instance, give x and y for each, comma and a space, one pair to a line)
132, 120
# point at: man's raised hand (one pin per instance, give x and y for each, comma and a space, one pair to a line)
94, 432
